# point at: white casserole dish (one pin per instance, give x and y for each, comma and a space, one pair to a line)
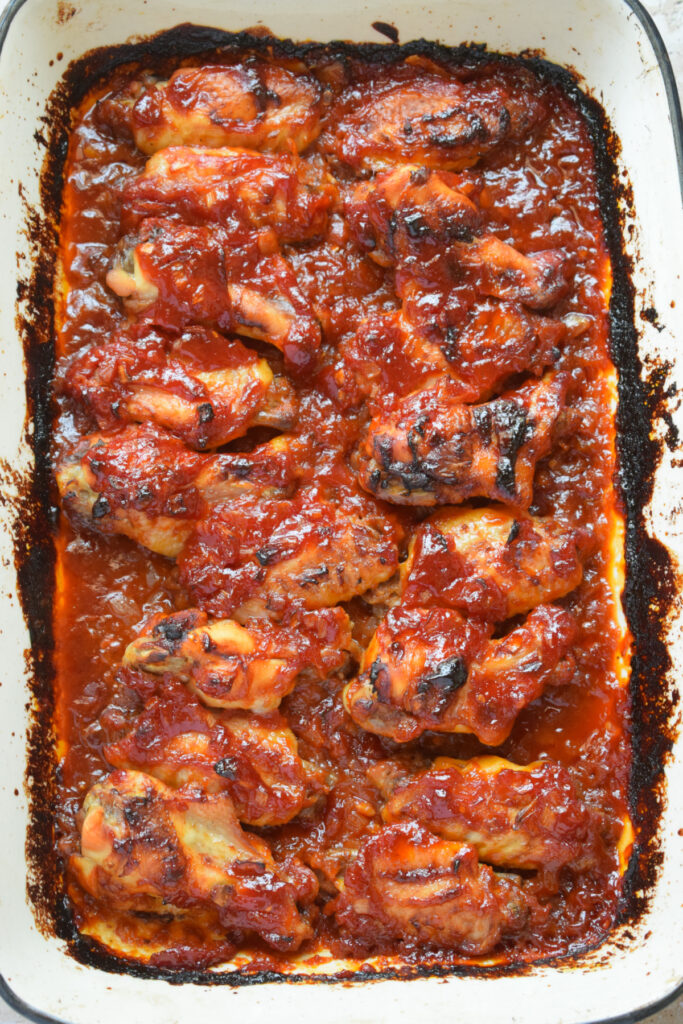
615, 48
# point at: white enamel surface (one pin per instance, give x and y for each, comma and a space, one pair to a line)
604, 41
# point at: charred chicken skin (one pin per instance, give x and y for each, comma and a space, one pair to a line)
408, 885
252, 758
252, 104
492, 562
431, 449
148, 848
516, 816
202, 387
423, 116
251, 666
429, 669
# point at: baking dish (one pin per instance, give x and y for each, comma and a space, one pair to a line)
612, 51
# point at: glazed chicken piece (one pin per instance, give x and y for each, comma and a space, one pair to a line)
151, 849
389, 356
254, 559
412, 217
204, 388
239, 189
429, 448
253, 758
410, 886
251, 666
492, 562
145, 484
252, 104
410, 114
429, 669
173, 275
516, 816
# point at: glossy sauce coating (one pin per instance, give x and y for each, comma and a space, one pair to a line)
345, 295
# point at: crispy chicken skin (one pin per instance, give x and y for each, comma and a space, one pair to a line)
431, 449
262, 558
516, 816
240, 189
253, 104
173, 274
148, 848
202, 387
408, 885
419, 116
145, 484
429, 669
491, 562
253, 758
251, 666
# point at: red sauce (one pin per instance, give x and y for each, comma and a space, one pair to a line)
534, 189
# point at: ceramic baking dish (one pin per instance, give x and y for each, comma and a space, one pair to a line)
614, 48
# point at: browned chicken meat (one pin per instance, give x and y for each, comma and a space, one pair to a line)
262, 558
411, 217
155, 850
204, 388
251, 666
492, 562
516, 816
173, 274
409, 886
145, 484
429, 448
429, 669
253, 758
253, 104
416, 115
240, 189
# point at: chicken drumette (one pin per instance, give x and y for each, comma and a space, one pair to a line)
145, 484
492, 562
253, 758
430, 669
429, 448
516, 816
251, 666
204, 388
410, 886
155, 850
240, 189
263, 558
252, 104
173, 274
413, 114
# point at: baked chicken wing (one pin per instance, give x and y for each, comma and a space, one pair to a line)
240, 189
524, 817
414, 115
203, 388
251, 666
251, 104
429, 669
492, 562
408, 885
148, 848
173, 274
253, 559
253, 758
429, 448
145, 484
